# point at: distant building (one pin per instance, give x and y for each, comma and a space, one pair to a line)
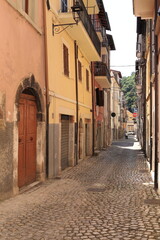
130, 126
102, 81
118, 109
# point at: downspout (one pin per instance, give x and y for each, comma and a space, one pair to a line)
77, 105
151, 136
156, 107
46, 86
144, 107
93, 106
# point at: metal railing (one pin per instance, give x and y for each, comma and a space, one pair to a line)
84, 17
101, 69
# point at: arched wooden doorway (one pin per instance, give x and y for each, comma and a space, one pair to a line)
27, 133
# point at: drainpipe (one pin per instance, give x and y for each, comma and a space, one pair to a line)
77, 105
93, 100
151, 137
156, 107
144, 107
47, 87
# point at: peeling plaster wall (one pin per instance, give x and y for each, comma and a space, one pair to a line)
6, 151
21, 57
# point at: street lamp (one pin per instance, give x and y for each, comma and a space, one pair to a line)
76, 9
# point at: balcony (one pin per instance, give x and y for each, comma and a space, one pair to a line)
98, 28
102, 74
143, 8
105, 42
91, 6
84, 33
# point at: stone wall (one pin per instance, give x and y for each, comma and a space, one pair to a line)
6, 152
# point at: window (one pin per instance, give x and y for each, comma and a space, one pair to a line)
79, 70
87, 80
64, 5
30, 7
65, 60
25, 5
104, 58
99, 97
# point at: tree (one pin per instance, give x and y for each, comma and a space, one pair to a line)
129, 89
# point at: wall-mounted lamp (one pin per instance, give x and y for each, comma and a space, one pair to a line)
76, 9
139, 54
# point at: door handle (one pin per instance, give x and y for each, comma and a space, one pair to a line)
31, 138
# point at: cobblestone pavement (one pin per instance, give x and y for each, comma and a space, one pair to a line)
103, 198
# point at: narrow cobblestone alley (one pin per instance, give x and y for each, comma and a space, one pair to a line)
104, 197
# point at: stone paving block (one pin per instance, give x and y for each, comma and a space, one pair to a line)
101, 198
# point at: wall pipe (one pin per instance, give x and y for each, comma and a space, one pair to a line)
156, 106
144, 107
77, 105
151, 135
46, 86
93, 107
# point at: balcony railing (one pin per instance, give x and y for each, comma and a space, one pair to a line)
89, 27
101, 69
105, 42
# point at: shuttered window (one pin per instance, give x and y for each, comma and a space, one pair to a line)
99, 97
25, 5
79, 70
87, 80
66, 60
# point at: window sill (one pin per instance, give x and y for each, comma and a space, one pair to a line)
25, 15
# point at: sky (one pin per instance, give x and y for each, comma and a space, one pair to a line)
123, 30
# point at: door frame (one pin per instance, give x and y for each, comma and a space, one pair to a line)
31, 84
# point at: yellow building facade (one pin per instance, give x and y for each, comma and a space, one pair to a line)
117, 106
70, 50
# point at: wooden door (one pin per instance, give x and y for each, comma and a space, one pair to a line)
27, 140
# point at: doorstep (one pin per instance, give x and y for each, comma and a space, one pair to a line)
29, 187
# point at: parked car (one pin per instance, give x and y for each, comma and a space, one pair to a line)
131, 133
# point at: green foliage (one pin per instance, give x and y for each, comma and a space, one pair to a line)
129, 89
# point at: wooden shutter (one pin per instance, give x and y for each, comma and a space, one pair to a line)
66, 60
79, 70
26, 6
97, 96
101, 98
87, 80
